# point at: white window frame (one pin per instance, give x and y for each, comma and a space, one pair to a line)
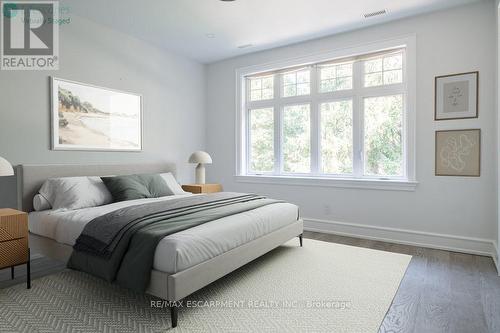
316, 178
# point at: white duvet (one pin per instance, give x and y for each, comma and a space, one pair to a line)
181, 250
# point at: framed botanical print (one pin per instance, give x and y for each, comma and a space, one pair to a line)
456, 96
458, 153
87, 117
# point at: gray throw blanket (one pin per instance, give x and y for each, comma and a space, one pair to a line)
121, 245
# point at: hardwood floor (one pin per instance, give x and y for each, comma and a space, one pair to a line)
40, 266
442, 291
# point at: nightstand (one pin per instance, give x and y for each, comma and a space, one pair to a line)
202, 188
14, 249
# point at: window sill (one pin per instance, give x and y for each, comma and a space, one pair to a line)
370, 184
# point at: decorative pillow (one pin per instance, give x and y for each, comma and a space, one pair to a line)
75, 192
40, 203
132, 187
172, 184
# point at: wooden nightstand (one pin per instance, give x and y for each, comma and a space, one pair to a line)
202, 188
14, 249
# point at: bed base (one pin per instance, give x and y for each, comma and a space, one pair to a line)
175, 287
174, 310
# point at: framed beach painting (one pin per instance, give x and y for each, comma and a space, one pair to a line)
456, 96
87, 117
458, 153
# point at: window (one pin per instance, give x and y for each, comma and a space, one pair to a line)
297, 138
344, 118
384, 70
335, 77
336, 137
261, 88
383, 141
297, 83
262, 140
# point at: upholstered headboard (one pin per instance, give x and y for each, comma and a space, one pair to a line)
31, 177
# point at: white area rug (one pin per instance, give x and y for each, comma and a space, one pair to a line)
321, 287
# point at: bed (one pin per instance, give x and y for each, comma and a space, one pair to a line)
184, 261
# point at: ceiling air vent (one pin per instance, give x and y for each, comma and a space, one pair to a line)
377, 13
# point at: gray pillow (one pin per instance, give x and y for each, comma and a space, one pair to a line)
132, 187
75, 192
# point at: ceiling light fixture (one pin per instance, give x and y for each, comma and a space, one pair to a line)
210, 35
245, 46
377, 13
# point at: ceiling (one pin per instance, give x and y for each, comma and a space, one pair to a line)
184, 26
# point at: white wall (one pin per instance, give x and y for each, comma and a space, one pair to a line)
174, 100
462, 211
497, 11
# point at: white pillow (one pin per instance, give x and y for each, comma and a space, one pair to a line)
75, 192
40, 203
172, 184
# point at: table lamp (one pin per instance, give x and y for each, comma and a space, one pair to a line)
201, 158
5, 168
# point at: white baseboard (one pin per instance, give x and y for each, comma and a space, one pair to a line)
479, 246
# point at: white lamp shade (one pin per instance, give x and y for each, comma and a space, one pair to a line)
5, 168
200, 157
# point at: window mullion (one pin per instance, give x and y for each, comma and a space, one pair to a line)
277, 125
315, 127
248, 139
247, 127
357, 127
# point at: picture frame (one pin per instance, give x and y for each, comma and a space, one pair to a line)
456, 96
458, 153
87, 117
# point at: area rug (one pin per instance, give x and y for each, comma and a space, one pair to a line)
321, 287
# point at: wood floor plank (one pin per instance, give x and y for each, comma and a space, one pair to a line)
404, 249
490, 292
402, 313
40, 266
434, 308
467, 308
